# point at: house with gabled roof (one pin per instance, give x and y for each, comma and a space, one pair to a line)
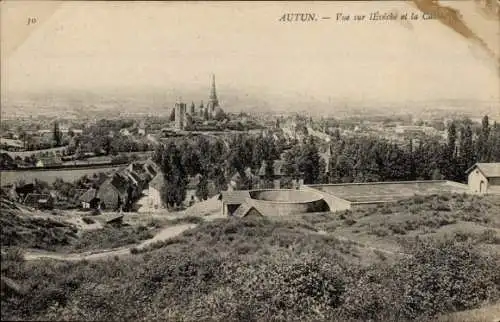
89, 199
114, 192
484, 178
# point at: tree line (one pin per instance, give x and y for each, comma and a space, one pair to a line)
374, 159
215, 160
342, 160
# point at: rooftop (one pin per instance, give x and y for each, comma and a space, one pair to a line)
389, 191
234, 197
488, 169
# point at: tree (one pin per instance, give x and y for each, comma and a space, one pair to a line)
452, 138
308, 162
202, 189
483, 148
172, 115
57, 137
467, 148
193, 109
174, 191
494, 143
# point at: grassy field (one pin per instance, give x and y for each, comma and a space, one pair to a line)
420, 259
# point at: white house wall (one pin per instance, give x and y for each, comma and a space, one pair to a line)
474, 181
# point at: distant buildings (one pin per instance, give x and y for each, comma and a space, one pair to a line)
47, 162
180, 115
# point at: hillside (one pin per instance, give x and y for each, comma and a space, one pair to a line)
359, 265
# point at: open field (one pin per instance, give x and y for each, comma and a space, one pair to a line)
372, 192
23, 154
50, 175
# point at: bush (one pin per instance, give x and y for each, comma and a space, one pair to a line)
14, 254
397, 229
379, 231
350, 221
88, 221
445, 277
268, 271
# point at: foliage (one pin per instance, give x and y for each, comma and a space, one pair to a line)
255, 269
109, 237
365, 159
17, 230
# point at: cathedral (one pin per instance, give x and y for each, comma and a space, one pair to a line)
185, 117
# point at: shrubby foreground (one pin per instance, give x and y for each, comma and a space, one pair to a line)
255, 269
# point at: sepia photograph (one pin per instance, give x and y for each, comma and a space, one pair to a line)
250, 160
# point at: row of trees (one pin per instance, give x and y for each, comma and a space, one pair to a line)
350, 159
374, 159
215, 160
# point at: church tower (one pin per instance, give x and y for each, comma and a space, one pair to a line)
180, 115
213, 102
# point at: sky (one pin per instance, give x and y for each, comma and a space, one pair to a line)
136, 47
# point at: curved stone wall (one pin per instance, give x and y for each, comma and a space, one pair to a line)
285, 202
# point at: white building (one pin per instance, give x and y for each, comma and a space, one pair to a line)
154, 191
484, 178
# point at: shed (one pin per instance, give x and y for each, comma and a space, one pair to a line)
484, 178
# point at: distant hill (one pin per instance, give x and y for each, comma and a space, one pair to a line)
160, 102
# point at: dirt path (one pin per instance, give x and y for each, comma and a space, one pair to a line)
166, 233
210, 208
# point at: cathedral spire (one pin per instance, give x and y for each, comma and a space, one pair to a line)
213, 93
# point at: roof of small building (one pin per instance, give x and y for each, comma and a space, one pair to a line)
235, 197
151, 168
489, 170
242, 210
134, 177
6, 157
88, 195
119, 182
33, 198
138, 167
